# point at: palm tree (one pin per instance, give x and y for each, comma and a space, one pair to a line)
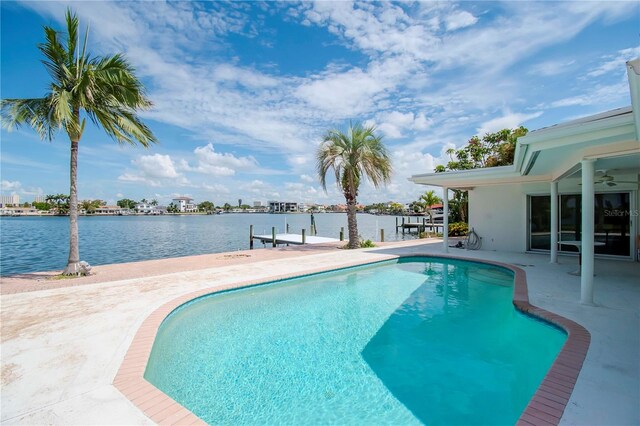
105, 89
354, 155
429, 199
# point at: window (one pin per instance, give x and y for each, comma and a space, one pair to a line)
612, 222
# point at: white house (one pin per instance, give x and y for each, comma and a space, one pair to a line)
573, 182
147, 208
185, 204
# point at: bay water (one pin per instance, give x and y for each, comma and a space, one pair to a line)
33, 244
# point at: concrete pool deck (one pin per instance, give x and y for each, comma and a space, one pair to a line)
62, 346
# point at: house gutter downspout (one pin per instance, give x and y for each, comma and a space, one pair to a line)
633, 73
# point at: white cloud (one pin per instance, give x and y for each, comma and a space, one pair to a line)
217, 188
307, 178
153, 170
243, 76
606, 94
460, 19
393, 124
615, 63
507, 121
552, 68
157, 166
220, 164
8, 185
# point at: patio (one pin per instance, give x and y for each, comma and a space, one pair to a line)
61, 348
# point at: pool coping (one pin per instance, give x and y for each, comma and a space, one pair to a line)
546, 407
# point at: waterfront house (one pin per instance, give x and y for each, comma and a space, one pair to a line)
19, 211
573, 187
185, 204
145, 208
110, 211
283, 207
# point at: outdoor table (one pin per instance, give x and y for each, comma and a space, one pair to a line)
578, 245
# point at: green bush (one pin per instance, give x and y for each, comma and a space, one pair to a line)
366, 244
458, 229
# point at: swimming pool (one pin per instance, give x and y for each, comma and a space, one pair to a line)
410, 341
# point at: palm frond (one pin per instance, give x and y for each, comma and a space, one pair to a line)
55, 56
72, 35
32, 112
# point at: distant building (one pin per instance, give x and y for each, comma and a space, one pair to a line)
257, 204
40, 199
337, 208
185, 204
19, 211
111, 210
283, 207
144, 208
10, 200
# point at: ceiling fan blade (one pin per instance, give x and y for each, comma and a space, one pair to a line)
611, 184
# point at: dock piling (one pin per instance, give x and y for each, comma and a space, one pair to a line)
304, 236
402, 225
250, 237
273, 235
382, 235
342, 233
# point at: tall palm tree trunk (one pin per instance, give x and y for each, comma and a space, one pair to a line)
73, 264
352, 222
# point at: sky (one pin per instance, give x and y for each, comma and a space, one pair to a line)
243, 92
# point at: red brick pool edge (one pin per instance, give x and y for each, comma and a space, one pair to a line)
545, 407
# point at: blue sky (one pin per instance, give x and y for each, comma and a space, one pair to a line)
244, 91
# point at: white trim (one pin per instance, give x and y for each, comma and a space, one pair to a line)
560, 134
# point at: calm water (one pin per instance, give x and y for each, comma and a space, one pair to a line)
417, 341
30, 244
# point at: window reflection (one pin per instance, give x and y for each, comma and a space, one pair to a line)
612, 221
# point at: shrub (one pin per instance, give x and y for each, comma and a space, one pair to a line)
458, 229
366, 244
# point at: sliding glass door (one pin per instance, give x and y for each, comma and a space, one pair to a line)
539, 222
612, 222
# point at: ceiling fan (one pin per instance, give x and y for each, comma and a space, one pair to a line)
607, 179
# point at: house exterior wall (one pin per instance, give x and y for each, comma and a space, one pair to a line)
498, 215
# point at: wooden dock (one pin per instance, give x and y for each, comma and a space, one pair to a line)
294, 239
420, 225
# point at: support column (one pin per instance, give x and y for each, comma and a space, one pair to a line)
554, 222
445, 219
587, 236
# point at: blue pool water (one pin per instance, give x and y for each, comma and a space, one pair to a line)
414, 341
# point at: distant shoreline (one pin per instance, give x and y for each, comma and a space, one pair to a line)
202, 214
